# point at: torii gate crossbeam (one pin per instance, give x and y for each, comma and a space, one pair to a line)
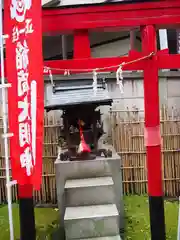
162, 13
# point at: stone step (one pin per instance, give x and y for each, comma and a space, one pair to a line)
89, 191
117, 237
91, 221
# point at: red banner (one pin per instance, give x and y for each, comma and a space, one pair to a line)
24, 66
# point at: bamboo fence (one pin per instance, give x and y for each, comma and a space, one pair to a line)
52, 123
128, 139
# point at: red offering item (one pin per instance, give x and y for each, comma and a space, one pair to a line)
83, 147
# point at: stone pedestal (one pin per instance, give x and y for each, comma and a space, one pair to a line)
101, 167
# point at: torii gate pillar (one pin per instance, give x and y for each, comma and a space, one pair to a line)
152, 135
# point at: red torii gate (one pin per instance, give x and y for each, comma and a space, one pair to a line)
148, 17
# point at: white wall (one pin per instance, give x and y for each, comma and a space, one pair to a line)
49, 2
118, 48
133, 97
76, 2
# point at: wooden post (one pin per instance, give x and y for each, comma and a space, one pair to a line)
26, 213
152, 136
81, 44
132, 39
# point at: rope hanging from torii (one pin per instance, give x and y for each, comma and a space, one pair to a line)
119, 72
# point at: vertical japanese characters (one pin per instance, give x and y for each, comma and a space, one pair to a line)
22, 28
24, 67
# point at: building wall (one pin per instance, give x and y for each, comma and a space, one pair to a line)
133, 96
118, 48
102, 44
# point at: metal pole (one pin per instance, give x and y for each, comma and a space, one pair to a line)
64, 47
178, 230
133, 39
5, 126
163, 42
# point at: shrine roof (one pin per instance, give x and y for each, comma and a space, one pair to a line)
64, 95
